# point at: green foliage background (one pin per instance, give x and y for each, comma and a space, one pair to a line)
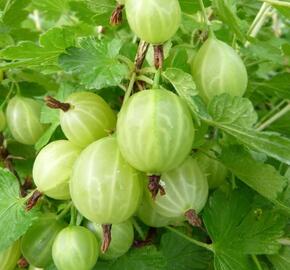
57, 47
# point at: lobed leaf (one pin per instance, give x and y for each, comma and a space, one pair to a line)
28, 54
96, 62
14, 219
228, 15
186, 89
146, 258
183, 255
238, 229
263, 178
281, 261
239, 111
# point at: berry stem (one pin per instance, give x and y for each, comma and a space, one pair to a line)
64, 211
8, 96
139, 60
138, 229
258, 21
156, 81
277, 3
106, 237
192, 240
130, 87
205, 17
256, 261
73, 215
56, 104
274, 118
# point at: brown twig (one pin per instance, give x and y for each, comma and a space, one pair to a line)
141, 54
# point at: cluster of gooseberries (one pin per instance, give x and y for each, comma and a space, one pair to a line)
116, 166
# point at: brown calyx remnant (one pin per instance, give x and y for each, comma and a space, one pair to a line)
55, 104
22, 263
158, 56
106, 237
117, 15
32, 201
154, 186
193, 218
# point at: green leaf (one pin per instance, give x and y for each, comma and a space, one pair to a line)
183, 255
33, 76
51, 9
230, 260
50, 267
14, 220
15, 14
102, 10
96, 63
226, 109
281, 261
186, 89
228, 15
82, 11
278, 85
263, 178
147, 258
28, 54
31, 89
283, 10
272, 144
238, 228
189, 7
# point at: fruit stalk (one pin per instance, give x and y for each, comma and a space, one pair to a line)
139, 60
